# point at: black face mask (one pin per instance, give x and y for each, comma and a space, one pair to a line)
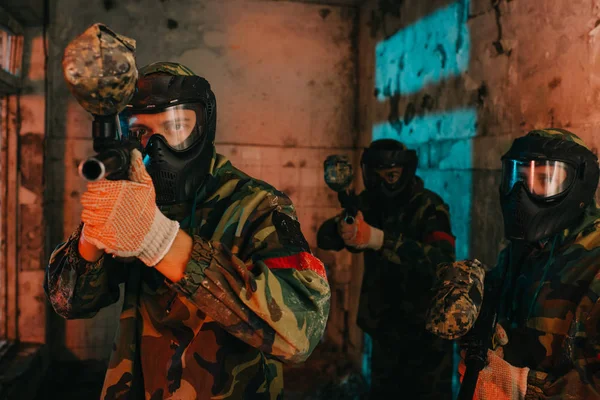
177, 154
533, 216
377, 159
177, 171
177, 174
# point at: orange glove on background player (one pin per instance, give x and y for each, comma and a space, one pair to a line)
498, 380
121, 217
360, 234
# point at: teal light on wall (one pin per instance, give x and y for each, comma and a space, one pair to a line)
432, 49
418, 57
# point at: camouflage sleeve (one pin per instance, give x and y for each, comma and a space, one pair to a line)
269, 291
583, 380
436, 244
77, 288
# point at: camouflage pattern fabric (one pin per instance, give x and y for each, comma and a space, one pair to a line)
458, 293
550, 306
166, 67
408, 361
253, 296
555, 330
99, 68
556, 133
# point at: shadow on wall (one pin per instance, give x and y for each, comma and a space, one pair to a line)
440, 70
408, 65
420, 77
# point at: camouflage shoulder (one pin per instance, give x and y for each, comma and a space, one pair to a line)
246, 185
432, 197
587, 234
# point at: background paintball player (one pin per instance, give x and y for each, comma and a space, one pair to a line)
223, 287
404, 232
549, 312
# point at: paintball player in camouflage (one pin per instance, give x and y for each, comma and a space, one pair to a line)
222, 288
549, 275
404, 231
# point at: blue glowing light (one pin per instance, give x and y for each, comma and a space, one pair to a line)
433, 49
366, 358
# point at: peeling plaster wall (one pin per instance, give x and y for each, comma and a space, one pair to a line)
22, 261
530, 65
284, 77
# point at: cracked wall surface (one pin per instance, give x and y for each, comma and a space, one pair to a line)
284, 78
475, 75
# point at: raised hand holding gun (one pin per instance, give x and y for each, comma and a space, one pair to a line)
463, 309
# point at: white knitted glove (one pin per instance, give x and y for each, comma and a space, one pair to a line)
498, 380
359, 234
122, 218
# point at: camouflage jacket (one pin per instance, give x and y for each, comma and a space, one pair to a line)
396, 287
253, 299
550, 310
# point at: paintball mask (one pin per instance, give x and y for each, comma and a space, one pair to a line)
388, 167
548, 179
173, 117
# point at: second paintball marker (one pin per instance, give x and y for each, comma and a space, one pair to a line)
338, 176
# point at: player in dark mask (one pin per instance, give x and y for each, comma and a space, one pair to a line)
404, 231
388, 170
548, 276
174, 117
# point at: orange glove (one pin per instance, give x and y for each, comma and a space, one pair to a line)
122, 218
498, 380
360, 234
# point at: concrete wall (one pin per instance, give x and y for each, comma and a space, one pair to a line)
22, 152
458, 80
284, 77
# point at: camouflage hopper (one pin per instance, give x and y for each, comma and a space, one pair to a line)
458, 294
100, 71
338, 172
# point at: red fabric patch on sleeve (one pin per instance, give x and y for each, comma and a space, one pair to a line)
300, 262
439, 235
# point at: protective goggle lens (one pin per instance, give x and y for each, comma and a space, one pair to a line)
542, 179
178, 125
390, 175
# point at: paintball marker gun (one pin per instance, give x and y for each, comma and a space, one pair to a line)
99, 69
477, 342
338, 176
465, 307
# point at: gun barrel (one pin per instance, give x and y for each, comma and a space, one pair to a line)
92, 169
104, 165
